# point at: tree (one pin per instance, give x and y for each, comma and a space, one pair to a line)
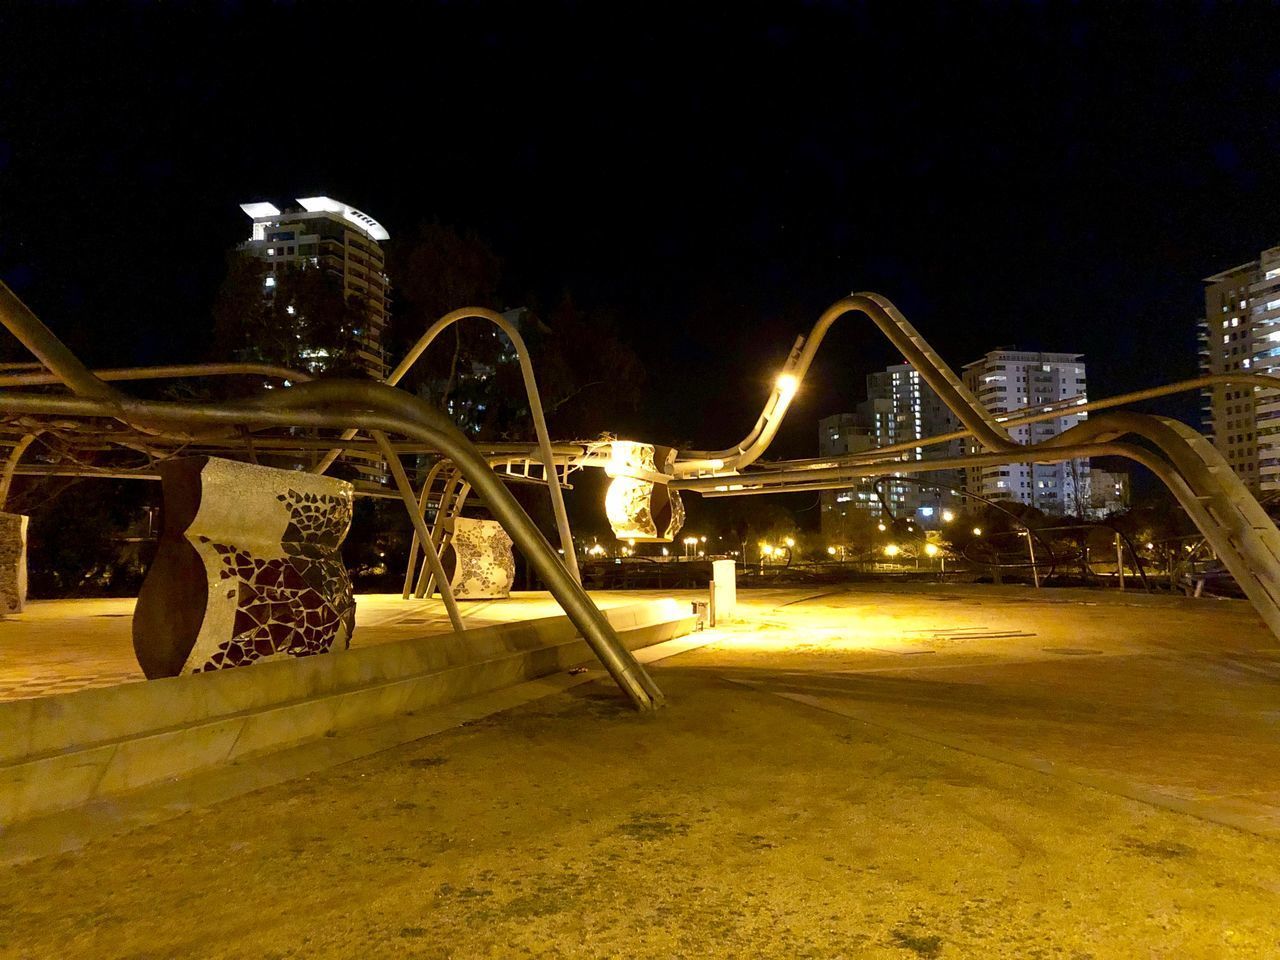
294, 316
436, 270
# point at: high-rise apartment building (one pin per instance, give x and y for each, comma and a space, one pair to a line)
900, 408
326, 234
1009, 380
1241, 332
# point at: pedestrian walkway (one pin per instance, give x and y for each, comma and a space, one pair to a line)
60, 646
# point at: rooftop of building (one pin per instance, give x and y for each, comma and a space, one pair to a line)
266, 212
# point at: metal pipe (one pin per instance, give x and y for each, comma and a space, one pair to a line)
412, 563
419, 525
879, 454
535, 412
377, 406
48, 349
174, 371
11, 464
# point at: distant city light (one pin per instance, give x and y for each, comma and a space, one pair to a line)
891, 550
931, 549
977, 531
947, 516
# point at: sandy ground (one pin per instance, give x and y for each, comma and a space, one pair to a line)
945, 772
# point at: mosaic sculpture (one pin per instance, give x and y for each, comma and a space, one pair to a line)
248, 569
639, 503
13, 562
485, 567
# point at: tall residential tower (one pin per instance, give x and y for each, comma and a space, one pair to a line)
1009, 380
1241, 332
324, 233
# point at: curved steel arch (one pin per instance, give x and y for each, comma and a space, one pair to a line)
535, 412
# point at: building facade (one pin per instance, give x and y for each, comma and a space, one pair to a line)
1108, 492
326, 234
1009, 380
1240, 332
900, 408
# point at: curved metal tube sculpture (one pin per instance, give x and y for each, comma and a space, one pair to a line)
333, 404
535, 412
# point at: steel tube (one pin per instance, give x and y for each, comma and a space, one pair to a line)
48, 349
174, 371
419, 525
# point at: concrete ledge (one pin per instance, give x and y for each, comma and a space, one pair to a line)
64, 751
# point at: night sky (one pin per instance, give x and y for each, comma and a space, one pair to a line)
1051, 176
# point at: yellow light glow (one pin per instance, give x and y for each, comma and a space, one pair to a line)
931, 549
947, 516
790, 542
891, 550
880, 527
1151, 546
831, 550
787, 384
977, 531
767, 550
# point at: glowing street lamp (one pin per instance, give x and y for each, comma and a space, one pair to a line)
892, 550
977, 531
931, 549
947, 516
880, 527
831, 550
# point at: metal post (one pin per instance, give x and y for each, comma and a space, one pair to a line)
1031, 552
420, 525
1120, 560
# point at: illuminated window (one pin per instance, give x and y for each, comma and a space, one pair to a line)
269, 282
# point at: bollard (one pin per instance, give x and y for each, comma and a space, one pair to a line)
724, 590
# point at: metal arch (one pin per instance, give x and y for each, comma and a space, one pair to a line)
977, 420
11, 464
535, 411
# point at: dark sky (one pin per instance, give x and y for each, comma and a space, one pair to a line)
1054, 176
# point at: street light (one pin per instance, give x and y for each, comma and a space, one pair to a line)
977, 531
880, 527
947, 516
891, 550
931, 549
831, 550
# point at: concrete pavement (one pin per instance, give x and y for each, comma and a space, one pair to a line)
924, 772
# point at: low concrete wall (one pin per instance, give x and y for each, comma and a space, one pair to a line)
60, 752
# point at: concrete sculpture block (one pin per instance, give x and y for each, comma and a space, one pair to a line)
248, 568
638, 503
485, 567
13, 562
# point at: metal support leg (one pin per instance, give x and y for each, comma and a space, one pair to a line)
410, 504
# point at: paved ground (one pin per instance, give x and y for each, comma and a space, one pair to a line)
59, 646
945, 772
